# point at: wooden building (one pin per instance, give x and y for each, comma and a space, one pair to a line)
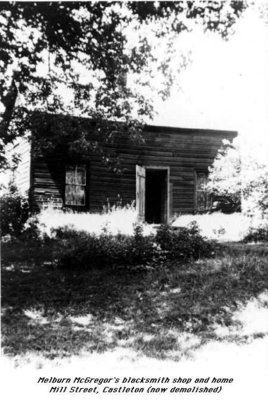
164, 174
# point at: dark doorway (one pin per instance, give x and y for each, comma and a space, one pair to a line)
156, 196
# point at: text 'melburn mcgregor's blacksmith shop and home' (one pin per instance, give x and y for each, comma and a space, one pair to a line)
164, 174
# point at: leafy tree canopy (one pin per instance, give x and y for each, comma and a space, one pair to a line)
52, 50
239, 180
225, 178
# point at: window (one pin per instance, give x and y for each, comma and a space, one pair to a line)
203, 200
75, 185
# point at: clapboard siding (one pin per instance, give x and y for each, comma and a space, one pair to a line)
21, 175
184, 151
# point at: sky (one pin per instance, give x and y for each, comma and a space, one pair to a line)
226, 84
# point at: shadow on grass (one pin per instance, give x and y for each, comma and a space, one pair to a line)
165, 312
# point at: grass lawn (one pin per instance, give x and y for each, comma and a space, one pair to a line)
166, 311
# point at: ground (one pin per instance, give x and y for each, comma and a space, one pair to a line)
169, 312
203, 318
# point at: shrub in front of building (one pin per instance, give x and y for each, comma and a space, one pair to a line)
14, 211
81, 250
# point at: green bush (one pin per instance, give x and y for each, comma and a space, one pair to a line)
238, 177
224, 183
14, 213
81, 250
183, 243
33, 231
259, 234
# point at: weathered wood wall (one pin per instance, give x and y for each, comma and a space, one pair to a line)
21, 175
183, 150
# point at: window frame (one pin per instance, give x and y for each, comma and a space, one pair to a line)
208, 199
76, 166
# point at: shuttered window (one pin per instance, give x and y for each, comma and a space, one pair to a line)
203, 199
75, 185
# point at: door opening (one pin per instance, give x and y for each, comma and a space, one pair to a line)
156, 196
152, 194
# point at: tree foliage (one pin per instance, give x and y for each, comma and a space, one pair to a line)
255, 187
225, 179
47, 46
237, 179
14, 212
